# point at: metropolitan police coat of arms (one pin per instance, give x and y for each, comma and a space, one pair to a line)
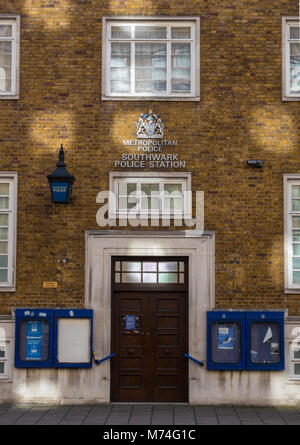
150, 126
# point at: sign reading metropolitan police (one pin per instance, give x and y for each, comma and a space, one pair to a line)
150, 146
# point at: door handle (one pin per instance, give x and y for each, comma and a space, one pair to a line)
167, 351
130, 351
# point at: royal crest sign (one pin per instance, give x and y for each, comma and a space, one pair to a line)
150, 126
152, 151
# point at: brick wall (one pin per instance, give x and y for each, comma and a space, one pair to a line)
240, 116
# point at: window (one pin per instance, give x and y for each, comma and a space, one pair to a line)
8, 207
290, 58
145, 194
150, 272
4, 359
156, 58
294, 363
9, 56
292, 232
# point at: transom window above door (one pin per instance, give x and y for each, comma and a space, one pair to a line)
149, 272
156, 58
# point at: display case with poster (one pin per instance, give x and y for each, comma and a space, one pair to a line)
225, 340
34, 338
265, 340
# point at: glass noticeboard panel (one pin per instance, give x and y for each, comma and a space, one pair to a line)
265, 342
34, 340
74, 340
226, 342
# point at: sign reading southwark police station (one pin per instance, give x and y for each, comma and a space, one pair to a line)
150, 146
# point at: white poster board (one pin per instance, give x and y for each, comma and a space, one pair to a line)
74, 340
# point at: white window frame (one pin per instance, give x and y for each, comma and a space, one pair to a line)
115, 178
292, 361
14, 20
12, 179
5, 359
287, 22
288, 181
194, 22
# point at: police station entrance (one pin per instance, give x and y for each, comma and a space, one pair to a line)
149, 329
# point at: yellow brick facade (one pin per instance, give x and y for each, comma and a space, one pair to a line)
240, 116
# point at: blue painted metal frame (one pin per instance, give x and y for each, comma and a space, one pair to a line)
33, 314
193, 359
225, 316
264, 316
103, 359
72, 313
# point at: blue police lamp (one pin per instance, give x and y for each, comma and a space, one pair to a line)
60, 180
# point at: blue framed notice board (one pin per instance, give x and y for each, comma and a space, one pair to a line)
34, 338
73, 334
225, 340
252, 340
265, 340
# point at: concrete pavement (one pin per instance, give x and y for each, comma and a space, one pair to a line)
147, 414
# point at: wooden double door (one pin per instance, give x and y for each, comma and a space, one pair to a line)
149, 330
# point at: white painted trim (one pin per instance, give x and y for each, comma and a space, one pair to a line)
102, 245
146, 18
286, 22
195, 59
10, 286
13, 19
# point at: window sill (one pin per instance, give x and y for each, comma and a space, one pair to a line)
291, 98
9, 96
7, 288
154, 98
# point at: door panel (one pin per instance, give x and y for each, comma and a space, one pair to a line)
169, 343
129, 372
149, 364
